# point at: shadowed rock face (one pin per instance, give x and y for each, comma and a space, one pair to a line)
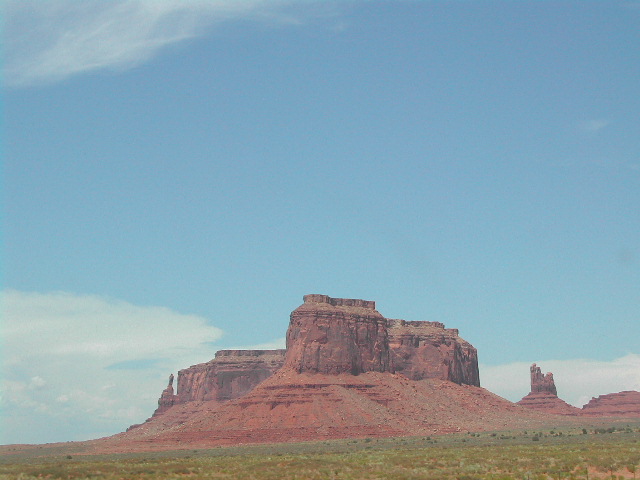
421, 350
622, 404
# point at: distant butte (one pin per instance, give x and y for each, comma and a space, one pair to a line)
622, 404
544, 396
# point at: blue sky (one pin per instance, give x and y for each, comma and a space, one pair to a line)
177, 175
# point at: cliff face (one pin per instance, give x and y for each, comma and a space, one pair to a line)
622, 404
231, 374
422, 350
544, 396
336, 335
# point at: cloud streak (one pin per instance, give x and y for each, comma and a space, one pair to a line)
78, 367
46, 42
594, 125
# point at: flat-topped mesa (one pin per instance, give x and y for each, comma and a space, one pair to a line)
333, 336
421, 349
621, 404
337, 335
340, 302
231, 374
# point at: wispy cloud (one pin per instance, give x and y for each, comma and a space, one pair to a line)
49, 41
594, 124
90, 366
576, 380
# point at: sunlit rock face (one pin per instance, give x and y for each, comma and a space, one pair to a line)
341, 335
337, 335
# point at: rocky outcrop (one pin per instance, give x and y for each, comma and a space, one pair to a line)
336, 335
332, 336
544, 395
422, 350
542, 382
347, 371
622, 404
167, 398
231, 374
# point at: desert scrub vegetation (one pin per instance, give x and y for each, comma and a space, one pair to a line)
470, 457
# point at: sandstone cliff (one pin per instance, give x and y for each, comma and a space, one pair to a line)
335, 335
544, 395
422, 350
622, 404
331, 336
231, 374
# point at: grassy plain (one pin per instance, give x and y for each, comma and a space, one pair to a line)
604, 452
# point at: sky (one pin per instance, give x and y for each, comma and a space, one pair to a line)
177, 174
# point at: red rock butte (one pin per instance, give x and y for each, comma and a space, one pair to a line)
347, 372
544, 396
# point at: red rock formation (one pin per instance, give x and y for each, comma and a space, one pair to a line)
332, 336
347, 372
544, 396
622, 404
292, 406
422, 350
231, 374
336, 335
167, 398
541, 382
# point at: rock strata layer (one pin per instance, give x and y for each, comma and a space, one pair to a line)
622, 404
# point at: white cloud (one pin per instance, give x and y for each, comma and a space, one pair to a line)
76, 367
577, 381
50, 41
594, 124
